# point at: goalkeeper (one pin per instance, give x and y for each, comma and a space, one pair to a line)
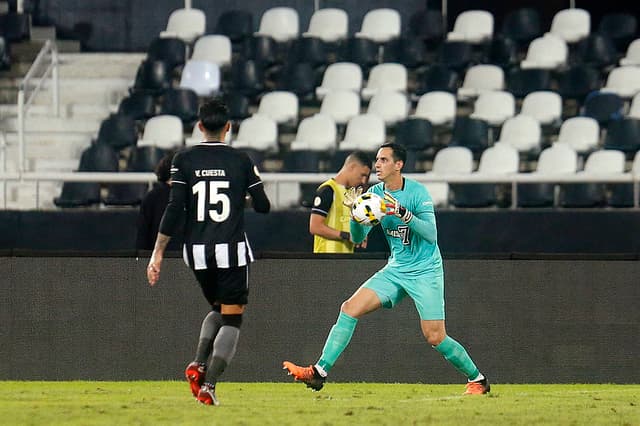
414, 269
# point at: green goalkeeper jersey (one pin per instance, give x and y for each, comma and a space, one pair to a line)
414, 248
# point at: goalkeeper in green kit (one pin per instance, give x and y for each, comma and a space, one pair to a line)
414, 269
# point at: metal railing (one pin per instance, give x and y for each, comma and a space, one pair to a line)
30, 87
279, 178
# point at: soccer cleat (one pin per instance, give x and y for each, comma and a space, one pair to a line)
478, 388
307, 375
207, 395
195, 373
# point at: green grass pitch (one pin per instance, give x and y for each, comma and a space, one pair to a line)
171, 403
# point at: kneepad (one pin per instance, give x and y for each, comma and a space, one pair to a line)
234, 320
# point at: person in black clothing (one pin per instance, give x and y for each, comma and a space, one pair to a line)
152, 207
209, 184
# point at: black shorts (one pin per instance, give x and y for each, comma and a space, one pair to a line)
227, 286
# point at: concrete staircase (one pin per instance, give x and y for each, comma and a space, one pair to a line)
91, 86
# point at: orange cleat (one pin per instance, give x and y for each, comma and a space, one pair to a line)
195, 373
207, 395
307, 375
478, 388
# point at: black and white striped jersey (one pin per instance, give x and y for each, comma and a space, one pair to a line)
210, 182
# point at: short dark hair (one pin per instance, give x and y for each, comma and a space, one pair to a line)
163, 168
399, 152
361, 157
213, 114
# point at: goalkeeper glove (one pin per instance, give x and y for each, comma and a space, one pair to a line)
351, 195
394, 208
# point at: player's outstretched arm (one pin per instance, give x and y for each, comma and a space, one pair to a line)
423, 225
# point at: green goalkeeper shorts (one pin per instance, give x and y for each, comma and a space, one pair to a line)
427, 291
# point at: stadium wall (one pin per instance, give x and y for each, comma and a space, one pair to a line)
466, 232
523, 321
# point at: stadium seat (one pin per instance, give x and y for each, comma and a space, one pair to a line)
365, 132
258, 132
597, 50
391, 106
315, 133
428, 26
340, 76
118, 131
571, 25
582, 134
603, 162
549, 52
5, 54
621, 194
281, 23
238, 105
98, 157
380, 25
603, 107
330, 25
202, 77
577, 82
623, 81
385, 77
632, 56
437, 107
473, 26
410, 52
523, 133
152, 77
315, 137
182, 103
162, 131
416, 135
299, 78
503, 52
620, 27
280, 106
138, 106
470, 133
452, 160
309, 50
235, 24
437, 78
171, 50
185, 24
544, 106
479, 79
522, 25
521, 82
15, 27
557, 160
360, 51
500, 159
623, 135
216, 49
341, 105
494, 107
247, 78
142, 159
262, 49
455, 54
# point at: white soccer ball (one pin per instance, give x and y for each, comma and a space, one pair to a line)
368, 209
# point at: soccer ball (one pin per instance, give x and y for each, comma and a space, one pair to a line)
368, 209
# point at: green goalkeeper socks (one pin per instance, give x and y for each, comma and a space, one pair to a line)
338, 339
455, 353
